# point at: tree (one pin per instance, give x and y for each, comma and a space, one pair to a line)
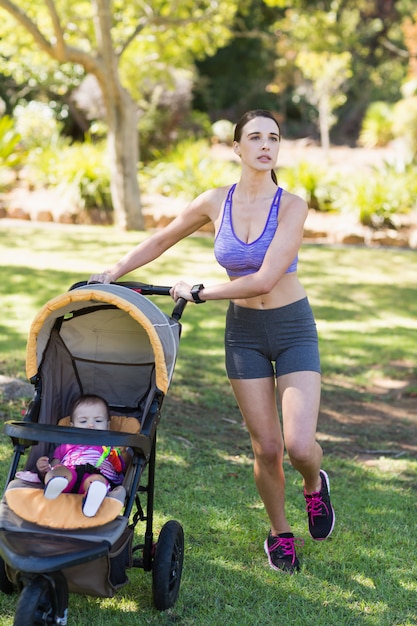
369, 31
97, 36
324, 74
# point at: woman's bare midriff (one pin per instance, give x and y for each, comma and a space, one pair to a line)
288, 290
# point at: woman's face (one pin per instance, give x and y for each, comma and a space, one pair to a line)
259, 144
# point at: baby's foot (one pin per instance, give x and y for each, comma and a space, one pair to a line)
95, 495
55, 487
118, 493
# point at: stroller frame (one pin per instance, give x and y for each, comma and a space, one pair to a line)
45, 570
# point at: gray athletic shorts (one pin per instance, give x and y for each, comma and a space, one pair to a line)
255, 339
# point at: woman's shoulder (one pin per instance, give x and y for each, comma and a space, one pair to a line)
293, 200
293, 209
211, 201
215, 194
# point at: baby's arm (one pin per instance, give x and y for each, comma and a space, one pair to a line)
43, 465
126, 454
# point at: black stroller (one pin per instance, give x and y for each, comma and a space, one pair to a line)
113, 341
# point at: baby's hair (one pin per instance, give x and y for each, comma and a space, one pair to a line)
90, 398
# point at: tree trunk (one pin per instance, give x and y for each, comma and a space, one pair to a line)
324, 123
123, 141
123, 146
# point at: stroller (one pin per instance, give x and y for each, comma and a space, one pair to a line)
112, 341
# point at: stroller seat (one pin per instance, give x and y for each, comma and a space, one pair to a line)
26, 499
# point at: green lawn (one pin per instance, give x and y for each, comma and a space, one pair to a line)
366, 309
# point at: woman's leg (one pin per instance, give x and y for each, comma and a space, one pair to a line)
258, 404
300, 400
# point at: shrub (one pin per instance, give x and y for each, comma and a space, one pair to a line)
223, 131
37, 126
377, 125
405, 123
79, 171
187, 170
379, 198
11, 151
311, 183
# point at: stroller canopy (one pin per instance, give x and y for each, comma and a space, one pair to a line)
109, 336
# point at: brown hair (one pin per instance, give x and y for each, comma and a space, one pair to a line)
90, 398
247, 117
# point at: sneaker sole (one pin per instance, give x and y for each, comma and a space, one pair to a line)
55, 487
94, 498
326, 478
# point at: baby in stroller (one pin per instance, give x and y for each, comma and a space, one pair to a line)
85, 469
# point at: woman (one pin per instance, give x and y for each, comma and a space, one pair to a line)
259, 229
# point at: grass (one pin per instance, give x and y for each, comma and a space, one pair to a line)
366, 310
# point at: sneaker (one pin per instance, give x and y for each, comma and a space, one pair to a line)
321, 516
95, 495
280, 551
55, 487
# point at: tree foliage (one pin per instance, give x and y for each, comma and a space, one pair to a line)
370, 32
104, 39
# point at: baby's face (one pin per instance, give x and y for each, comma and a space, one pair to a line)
91, 416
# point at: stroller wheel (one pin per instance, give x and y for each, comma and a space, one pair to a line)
167, 565
5, 585
35, 606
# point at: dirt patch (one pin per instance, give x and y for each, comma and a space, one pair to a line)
14, 388
370, 424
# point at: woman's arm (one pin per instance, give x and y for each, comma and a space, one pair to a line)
279, 256
199, 212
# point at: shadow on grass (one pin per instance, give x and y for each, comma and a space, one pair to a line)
362, 575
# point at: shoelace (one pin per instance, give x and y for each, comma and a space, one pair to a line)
287, 545
315, 506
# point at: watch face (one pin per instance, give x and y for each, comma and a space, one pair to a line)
195, 290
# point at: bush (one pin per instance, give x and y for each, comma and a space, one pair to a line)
11, 151
405, 123
37, 126
377, 125
223, 131
187, 171
79, 171
379, 198
311, 183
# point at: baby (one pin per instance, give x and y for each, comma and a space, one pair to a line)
86, 469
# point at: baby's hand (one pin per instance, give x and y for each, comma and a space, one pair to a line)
43, 465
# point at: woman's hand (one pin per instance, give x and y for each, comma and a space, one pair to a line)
181, 290
104, 277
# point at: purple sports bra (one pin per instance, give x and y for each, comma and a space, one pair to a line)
240, 258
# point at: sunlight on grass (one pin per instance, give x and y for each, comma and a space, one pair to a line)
366, 310
363, 580
409, 585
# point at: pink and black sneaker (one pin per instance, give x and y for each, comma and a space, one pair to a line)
280, 551
321, 516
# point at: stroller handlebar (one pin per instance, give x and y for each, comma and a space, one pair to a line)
145, 290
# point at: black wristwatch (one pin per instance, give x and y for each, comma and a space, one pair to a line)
195, 292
